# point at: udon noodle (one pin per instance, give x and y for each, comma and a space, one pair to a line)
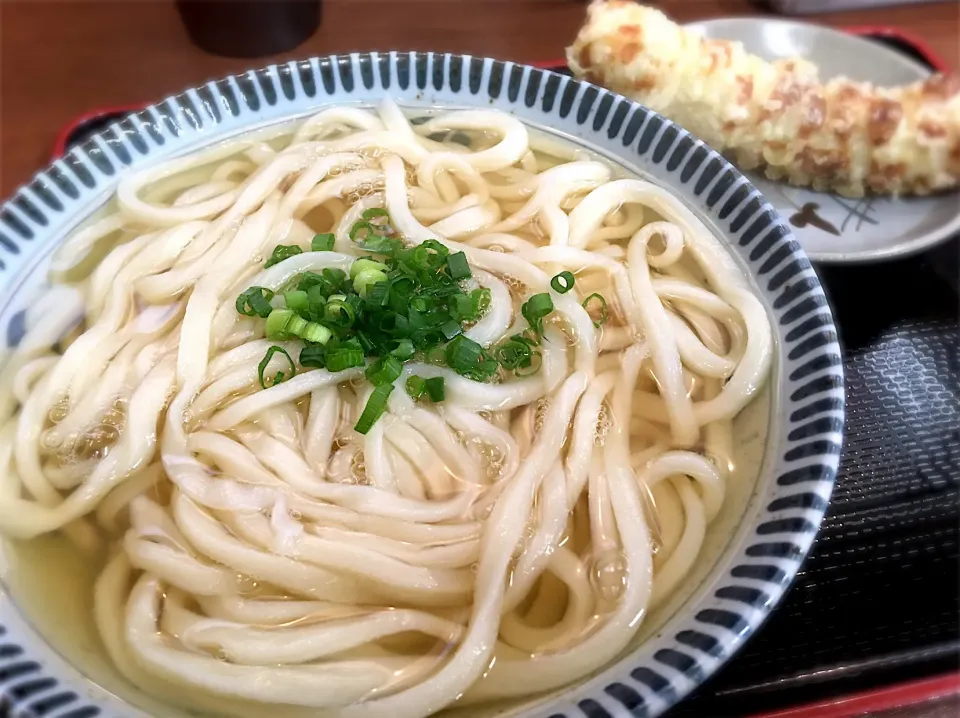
503, 542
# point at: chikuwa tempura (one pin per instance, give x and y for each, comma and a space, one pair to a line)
837, 135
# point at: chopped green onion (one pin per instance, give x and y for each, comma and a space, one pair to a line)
458, 267
401, 303
373, 213
562, 283
531, 365
334, 277
428, 255
434, 387
316, 333
344, 358
463, 307
404, 349
523, 339
513, 354
279, 376
286, 324
451, 329
535, 309
596, 303
368, 278
481, 297
394, 324
364, 264
436, 247
369, 227
323, 242
402, 286
485, 369
382, 245
328, 281
416, 386
376, 405
298, 301
255, 302
282, 252
384, 370
469, 359
364, 342
377, 294
462, 354
313, 355
339, 314
277, 324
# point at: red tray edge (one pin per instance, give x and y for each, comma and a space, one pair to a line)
879, 699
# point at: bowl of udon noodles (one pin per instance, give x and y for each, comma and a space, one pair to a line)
398, 385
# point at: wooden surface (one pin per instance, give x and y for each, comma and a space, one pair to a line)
60, 59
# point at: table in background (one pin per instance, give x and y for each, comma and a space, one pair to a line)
893, 523
61, 59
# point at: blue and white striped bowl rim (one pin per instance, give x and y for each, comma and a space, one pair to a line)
802, 451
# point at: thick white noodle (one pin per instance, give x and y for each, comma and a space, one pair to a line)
264, 555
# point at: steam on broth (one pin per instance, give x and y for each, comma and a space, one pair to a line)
215, 429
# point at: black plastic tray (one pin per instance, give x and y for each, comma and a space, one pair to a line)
877, 600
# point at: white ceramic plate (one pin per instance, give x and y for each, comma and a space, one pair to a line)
829, 227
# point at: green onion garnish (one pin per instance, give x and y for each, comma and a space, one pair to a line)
469, 359
297, 301
531, 365
434, 387
344, 358
595, 303
404, 303
285, 324
535, 309
416, 386
364, 264
562, 283
458, 267
384, 370
314, 356
255, 302
339, 314
382, 245
367, 228
376, 405
462, 354
404, 349
367, 279
282, 252
451, 329
277, 324
513, 354
279, 376
323, 242
316, 333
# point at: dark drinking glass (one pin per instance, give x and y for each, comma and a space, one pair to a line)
249, 28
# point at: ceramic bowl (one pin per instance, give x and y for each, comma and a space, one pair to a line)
789, 439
